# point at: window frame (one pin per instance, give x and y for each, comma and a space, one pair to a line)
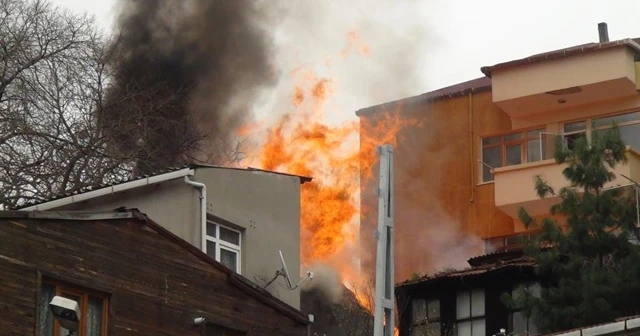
503, 144
471, 317
427, 320
223, 244
514, 311
62, 288
590, 128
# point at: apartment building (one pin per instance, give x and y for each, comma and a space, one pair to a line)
125, 275
471, 163
240, 217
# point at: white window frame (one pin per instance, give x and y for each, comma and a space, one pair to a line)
421, 326
525, 137
472, 317
225, 245
534, 288
589, 128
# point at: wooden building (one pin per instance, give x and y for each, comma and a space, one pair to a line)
467, 302
130, 276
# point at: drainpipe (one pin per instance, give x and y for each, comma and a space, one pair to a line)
202, 188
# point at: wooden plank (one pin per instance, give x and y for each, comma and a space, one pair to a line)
155, 287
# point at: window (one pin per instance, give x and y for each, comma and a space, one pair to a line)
521, 324
223, 245
215, 330
573, 132
93, 310
628, 124
512, 149
470, 319
425, 320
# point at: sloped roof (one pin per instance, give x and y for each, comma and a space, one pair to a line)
234, 278
303, 179
471, 271
481, 84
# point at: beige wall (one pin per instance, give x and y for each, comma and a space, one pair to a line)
264, 206
172, 204
563, 73
267, 207
604, 75
515, 185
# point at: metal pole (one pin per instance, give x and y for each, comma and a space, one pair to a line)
384, 295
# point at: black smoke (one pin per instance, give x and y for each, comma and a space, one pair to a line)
186, 74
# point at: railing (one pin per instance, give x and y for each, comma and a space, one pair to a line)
509, 242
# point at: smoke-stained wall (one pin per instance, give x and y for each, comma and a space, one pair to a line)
441, 213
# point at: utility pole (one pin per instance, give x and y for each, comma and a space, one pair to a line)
384, 298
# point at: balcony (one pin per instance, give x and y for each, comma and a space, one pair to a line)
515, 185
563, 79
510, 242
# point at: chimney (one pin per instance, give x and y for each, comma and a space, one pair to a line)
603, 32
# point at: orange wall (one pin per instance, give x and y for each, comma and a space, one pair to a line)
437, 198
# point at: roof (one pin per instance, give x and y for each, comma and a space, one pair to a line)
234, 278
501, 255
481, 84
562, 53
135, 181
518, 263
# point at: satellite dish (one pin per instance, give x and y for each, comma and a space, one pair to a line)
283, 271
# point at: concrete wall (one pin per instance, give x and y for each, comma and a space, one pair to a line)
264, 206
172, 204
267, 207
564, 73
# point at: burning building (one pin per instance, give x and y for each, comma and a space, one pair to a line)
468, 163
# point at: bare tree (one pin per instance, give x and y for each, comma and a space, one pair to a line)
354, 311
52, 80
67, 119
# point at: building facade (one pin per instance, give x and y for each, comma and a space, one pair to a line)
249, 216
468, 163
467, 302
470, 302
129, 276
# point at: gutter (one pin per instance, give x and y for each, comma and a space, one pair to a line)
202, 188
110, 190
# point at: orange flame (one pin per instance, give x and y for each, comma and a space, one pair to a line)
302, 142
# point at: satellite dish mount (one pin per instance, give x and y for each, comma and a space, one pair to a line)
287, 279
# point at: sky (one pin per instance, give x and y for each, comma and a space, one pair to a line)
464, 35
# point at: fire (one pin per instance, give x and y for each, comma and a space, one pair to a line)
303, 142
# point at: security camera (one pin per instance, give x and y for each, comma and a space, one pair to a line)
66, 311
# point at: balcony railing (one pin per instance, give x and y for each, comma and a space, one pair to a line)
515, 185
509, 242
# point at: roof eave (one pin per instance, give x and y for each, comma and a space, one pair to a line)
562, 53
84, 196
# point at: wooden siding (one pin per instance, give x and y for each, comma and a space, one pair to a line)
445, 290
156, 286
